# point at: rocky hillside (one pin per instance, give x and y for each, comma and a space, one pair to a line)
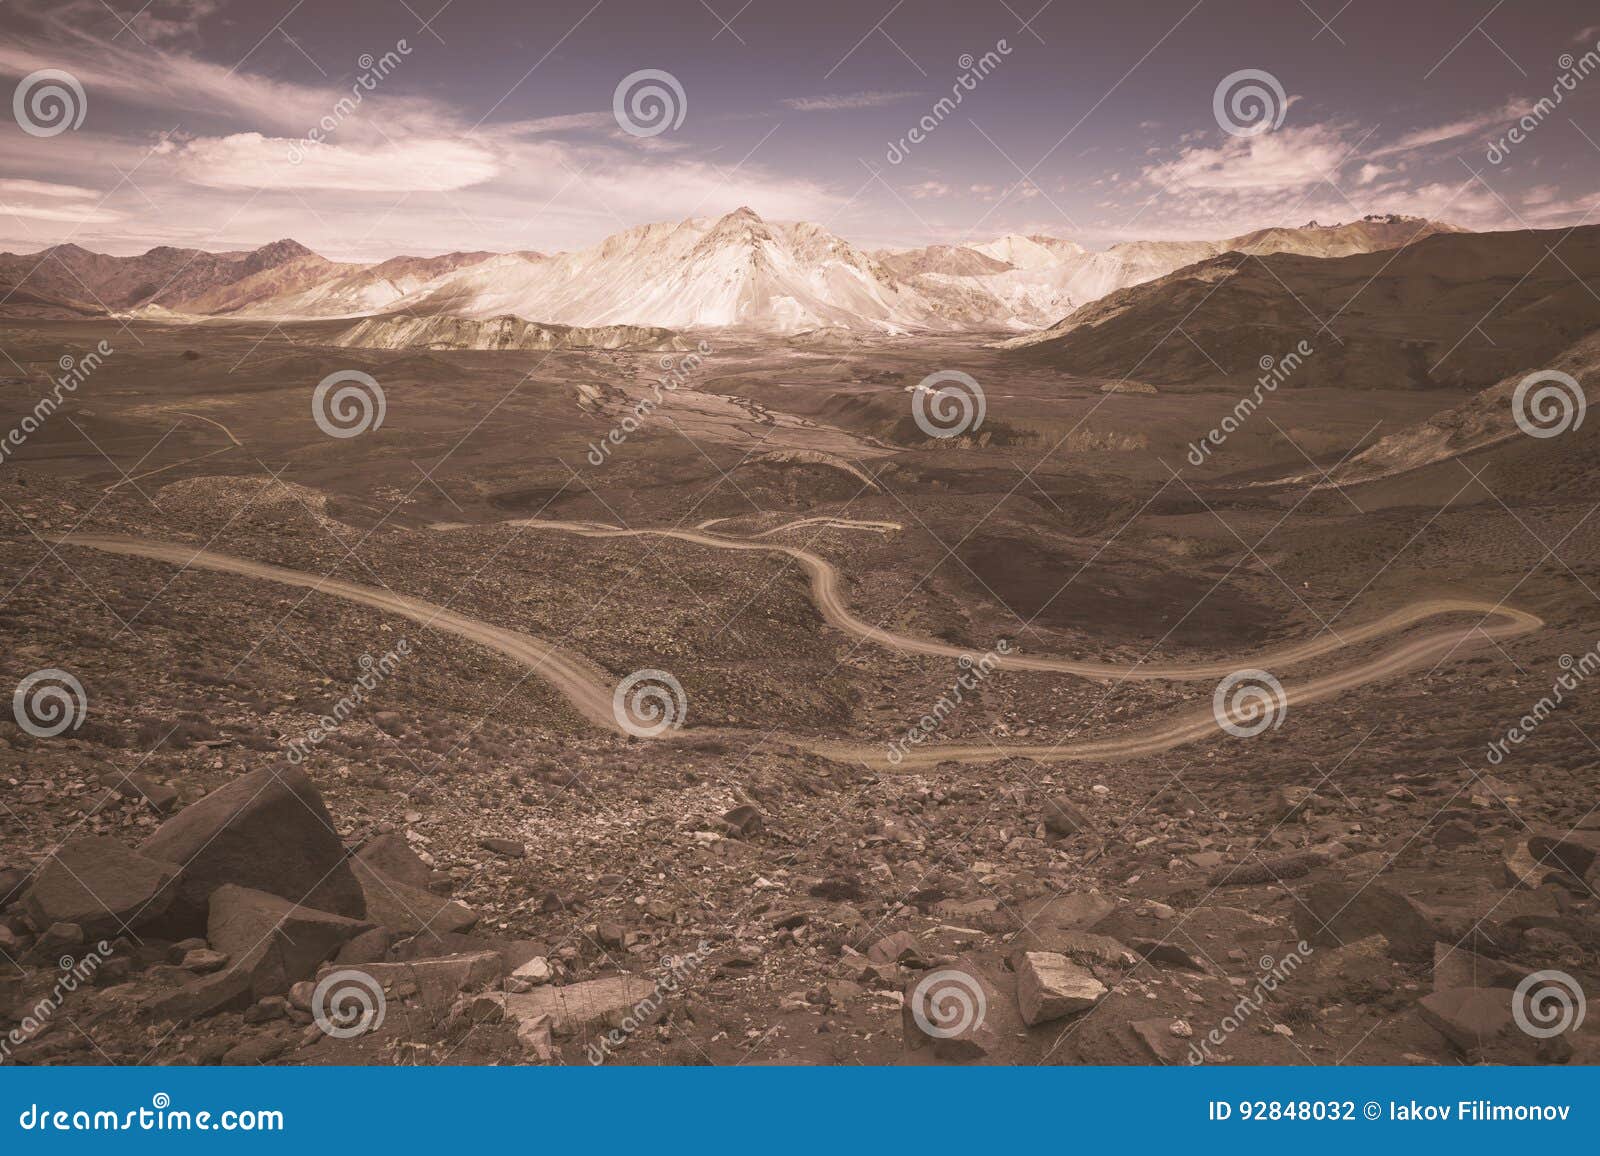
399, 331
1455, 310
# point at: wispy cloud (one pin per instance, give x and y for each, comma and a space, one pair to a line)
839, 102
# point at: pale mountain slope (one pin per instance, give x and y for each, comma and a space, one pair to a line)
372, 288
404, 331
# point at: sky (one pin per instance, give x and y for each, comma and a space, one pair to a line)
549, 125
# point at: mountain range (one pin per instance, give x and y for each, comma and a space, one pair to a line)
1452, 310
734, 271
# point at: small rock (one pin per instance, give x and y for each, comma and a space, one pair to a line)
1050, 986
509, 848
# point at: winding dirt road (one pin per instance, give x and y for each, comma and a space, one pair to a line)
589, 688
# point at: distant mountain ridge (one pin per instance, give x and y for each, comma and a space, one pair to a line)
737, 270
1452, 310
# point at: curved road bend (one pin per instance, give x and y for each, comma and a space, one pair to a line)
589, 688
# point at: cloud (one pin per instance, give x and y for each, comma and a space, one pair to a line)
845, 100
1454, 130
928, 189
570, 122
48, 201
249, 160
1290, 158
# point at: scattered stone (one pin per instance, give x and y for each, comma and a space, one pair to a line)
268, 831
1086, 947
509, 848
534, 1034
1063, 818
1169, 954
901, 947
272, 1007
101, 886
743, 821
1050, 986
1454, 833
131, 785
203, 961
1071, 912
1156, 1033
1287, 803
530, 975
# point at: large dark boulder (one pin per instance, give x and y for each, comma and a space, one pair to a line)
101, 886
268, 831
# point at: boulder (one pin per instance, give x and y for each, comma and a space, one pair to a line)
1469, 1017
1333, 914
1074, 911
101, 886
589, 1007
1050, 986
368, 947
743, 821
267, 831
273, 941
961, 1014
228, 990
1083, 947
900, 947
391, 855
1572, 851
1063, 818
438, 982
1457, 967
406, 909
